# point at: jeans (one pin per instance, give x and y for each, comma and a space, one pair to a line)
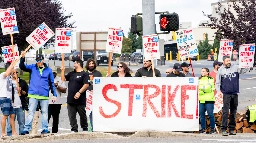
20, 113
230, 101
31, 111
54, 112
72, 110
209, 107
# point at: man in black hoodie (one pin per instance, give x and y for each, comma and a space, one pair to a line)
146, 70
91, 70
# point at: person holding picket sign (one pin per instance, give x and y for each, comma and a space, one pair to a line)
91, 70
146, 70
206, 99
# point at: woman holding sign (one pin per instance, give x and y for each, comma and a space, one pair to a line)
206, 99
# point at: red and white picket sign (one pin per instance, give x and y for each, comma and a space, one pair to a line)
246, 55
8, 21
63, 40
151, 47
114, 40
9, 55
138, 104
226, 48
40, 36
89, 96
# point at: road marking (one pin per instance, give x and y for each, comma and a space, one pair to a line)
198, 63
253, 87
231, 140
248, 88
249, 78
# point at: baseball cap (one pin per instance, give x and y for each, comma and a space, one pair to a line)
39, 57
177, 67
184, 64
217, 63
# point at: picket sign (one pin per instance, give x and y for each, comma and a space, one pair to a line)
10, 55
63, 40
246, 55
40, 36
139, 104
226, 48
186, 43
8, 21
89, 97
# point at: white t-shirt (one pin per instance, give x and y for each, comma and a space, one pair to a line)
17, 101
3, 86
60, 99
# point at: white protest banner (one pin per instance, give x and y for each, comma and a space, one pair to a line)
186, 43
138, 104
9, 55
151, 47
40, 36
114, 40
246, 55
226, 48
89, 98
63, 40
8, 21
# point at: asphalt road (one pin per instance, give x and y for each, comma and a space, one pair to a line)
246, 97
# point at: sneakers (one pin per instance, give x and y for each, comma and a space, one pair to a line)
202, 131
24, 133
212, 131
45, 132
231, 132
224, 133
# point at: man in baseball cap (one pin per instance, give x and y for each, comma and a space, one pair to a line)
176, 72
185, 69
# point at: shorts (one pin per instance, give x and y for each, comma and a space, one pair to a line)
6, 106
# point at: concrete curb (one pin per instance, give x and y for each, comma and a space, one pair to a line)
51, 137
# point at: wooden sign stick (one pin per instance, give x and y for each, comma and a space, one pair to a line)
13, 53
109, 62
16, 61
153, 67
62, 64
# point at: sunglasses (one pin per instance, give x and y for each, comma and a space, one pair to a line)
167, 72
119, 66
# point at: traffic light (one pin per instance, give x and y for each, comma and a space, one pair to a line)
169, 22
136, 24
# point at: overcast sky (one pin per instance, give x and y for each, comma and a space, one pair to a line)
99, 15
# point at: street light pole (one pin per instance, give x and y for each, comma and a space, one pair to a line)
148, 12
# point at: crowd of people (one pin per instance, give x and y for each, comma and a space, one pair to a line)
44, 93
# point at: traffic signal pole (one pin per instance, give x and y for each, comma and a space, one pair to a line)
148, 12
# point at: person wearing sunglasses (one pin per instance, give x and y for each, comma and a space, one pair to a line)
122, 71
41, 82
146, 70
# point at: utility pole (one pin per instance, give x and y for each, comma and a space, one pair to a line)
148, 12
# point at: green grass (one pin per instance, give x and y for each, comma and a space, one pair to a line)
25, 75
47, 51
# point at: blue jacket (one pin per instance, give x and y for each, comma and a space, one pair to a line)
39, 85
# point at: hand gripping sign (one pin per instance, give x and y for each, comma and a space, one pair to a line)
63, 40
8, 21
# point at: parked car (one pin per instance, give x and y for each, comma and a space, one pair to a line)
53, 56
66, 56
75, 55
102, 57
88, 55
193, 58
136, 56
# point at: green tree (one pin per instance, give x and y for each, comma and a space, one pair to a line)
139, 43
127, 45
133, 37
216, 44
204, 47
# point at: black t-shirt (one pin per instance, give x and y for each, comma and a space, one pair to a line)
175, 75
95, 73
76, 82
